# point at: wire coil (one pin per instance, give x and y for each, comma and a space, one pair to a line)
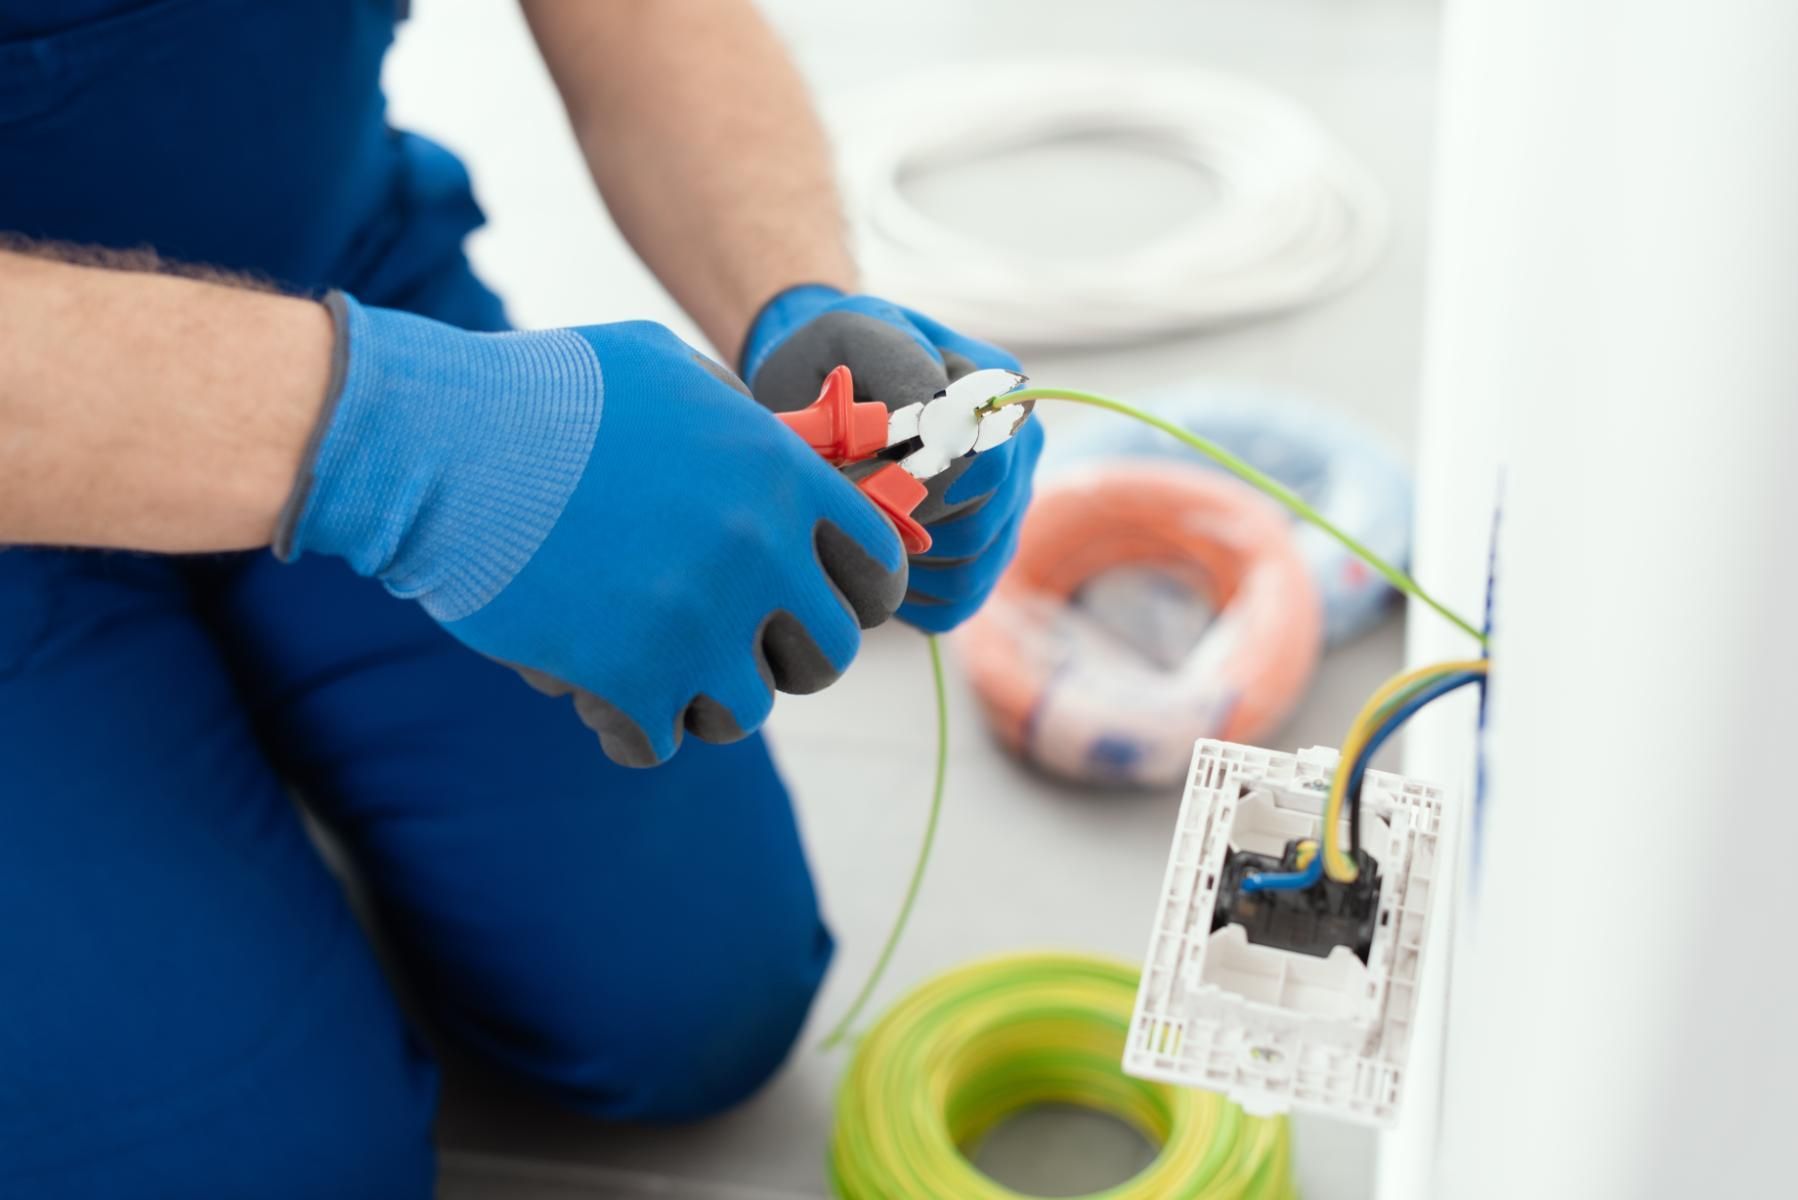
1294, 217
970, 1048
1334, 463
1059, 687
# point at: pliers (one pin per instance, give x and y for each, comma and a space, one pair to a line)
905, 446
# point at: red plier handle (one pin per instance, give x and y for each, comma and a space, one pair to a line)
845, 432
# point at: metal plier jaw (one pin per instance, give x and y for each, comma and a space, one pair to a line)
917, 442
957, 421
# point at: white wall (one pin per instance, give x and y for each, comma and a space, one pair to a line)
1615, 304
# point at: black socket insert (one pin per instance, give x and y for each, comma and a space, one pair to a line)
1312, 920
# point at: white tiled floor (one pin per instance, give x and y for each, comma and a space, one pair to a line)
1021, 861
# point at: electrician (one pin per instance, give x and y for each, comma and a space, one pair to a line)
236, 317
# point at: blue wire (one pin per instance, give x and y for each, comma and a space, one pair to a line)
1284, 881
1358, 769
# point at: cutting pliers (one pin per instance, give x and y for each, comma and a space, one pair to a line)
890, 453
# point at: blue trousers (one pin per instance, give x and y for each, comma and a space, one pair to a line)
188, 1007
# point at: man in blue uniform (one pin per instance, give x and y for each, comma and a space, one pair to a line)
235, 315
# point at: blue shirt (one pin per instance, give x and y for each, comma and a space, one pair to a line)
244, 134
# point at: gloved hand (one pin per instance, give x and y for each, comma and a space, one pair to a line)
602, 508
899, 357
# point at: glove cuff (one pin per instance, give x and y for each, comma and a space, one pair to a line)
780, 316
442, 458
287, 522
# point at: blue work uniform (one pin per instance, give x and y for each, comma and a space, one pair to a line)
188, 1007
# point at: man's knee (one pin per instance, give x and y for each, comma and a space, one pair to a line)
701, 1063
707, 1026
344, 1107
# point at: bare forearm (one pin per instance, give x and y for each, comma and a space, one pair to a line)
149, 412
704, 144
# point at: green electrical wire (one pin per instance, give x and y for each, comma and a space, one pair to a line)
917, 874
968, 1049
1248, 474
1230, 462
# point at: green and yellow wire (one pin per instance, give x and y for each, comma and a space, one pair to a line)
966, 1050
1260, 480
1391, 696
847, 1022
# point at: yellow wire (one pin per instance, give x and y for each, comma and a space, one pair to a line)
1338, 865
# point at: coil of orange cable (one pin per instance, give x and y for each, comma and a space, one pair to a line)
1066, 691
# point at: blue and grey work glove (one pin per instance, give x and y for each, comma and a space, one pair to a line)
602, 508
898, 357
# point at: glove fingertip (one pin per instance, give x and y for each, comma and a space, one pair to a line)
624, 741
541, 681
791, 658
711, 721
871, 588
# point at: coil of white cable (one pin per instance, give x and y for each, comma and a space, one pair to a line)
1294, 218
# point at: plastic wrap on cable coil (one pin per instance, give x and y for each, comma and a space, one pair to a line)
1335, 464
1093, 660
